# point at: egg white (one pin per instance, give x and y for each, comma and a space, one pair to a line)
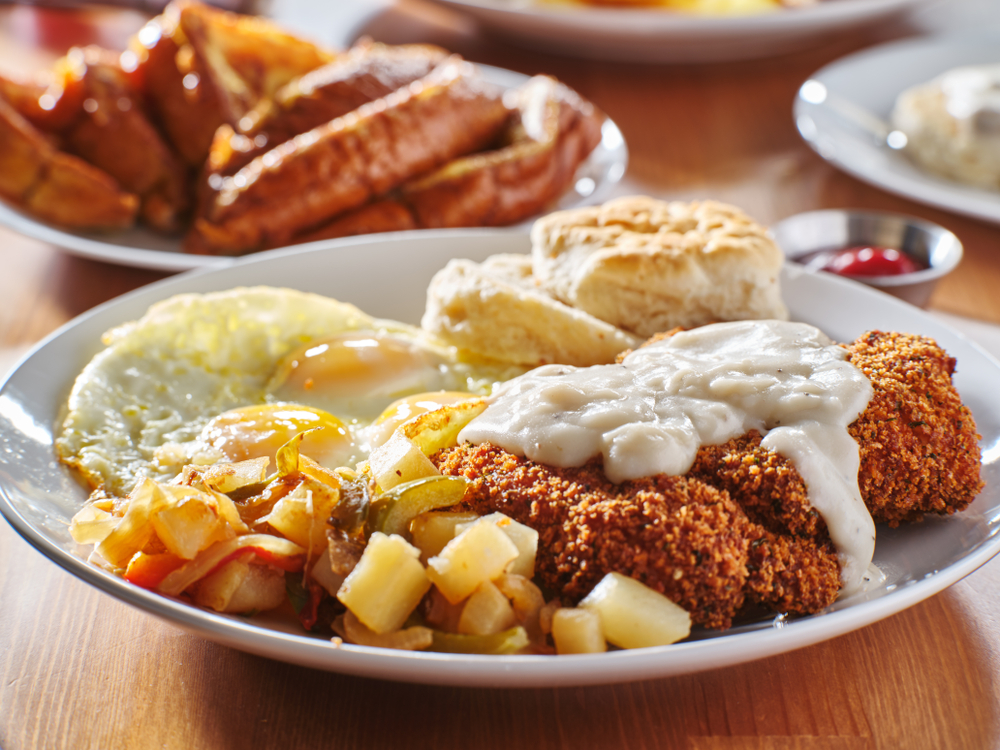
139, 408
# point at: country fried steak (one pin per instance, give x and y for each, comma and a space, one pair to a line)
738, 529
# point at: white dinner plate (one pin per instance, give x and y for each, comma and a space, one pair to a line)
38, 496
833, 112
650, 35
142, 248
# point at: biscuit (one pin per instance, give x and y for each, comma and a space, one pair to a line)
496, 310
647, 266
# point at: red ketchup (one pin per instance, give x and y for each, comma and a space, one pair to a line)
866, 260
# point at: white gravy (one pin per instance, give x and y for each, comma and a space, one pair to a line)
651, 413
972, 93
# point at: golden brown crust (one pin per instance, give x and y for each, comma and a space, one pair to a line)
919, 446
246, 58
366, 72
647, 265
343, 164
764, 483
676, 535
554, 131
792, 562
495, 187
788, 573
176, 89
112, 133
55, 186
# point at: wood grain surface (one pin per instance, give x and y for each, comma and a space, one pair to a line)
81, 670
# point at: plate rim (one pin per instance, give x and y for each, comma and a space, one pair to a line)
511, 671
845, 11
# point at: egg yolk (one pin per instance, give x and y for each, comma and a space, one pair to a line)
255, 431
341, 372
407, 408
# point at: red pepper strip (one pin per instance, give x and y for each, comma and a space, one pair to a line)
149, 570
310, 613
279, 552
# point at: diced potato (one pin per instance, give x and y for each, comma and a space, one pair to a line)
633, 615
486, 611
546, 613
190, 523
478, 554
240, 586
262, 589
216, 590
398, 461
322, 573
578, 631
301, 515
524, 537
409, 639
432, 531
387, 583
281, 553
396, 508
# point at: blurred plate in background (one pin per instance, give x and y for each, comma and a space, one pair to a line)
839, 112
649, 35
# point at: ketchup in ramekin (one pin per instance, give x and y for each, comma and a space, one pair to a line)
870, 260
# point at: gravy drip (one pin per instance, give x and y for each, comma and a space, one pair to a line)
651, 413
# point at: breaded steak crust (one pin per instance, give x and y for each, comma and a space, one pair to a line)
792, 564
679, 535
919, 446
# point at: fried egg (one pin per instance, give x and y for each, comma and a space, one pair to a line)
233, 375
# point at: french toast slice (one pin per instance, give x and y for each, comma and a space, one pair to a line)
112, 133
345, 163
51, 99
366, 72
554, 131
551, 133
246, 58
175, 87
55, 186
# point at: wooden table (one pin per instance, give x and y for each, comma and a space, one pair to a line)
80, 670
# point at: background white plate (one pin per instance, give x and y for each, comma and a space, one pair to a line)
643, 35
871, 80
38, 496
142, 248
